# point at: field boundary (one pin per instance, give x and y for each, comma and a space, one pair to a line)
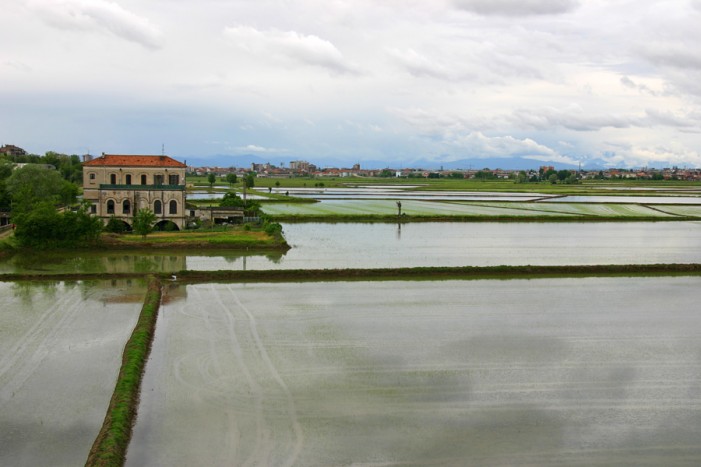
417, 273
110, 446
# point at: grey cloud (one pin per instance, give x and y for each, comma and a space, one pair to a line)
673, 55
306, 49
517, 7
573, 117
419, 65
97, 15
630, 84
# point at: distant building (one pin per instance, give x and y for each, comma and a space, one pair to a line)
12, 150
119, 185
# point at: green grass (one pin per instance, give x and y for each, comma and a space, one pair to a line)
587, 187
110, 446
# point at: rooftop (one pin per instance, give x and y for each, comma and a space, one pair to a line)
117, 160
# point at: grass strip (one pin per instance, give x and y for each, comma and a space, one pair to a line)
417, 273
393, 219
110, 446
439, 273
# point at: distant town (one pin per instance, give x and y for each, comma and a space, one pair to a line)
303, 168
308, 169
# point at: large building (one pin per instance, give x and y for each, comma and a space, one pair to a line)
118, 185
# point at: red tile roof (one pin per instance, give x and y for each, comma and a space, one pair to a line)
114, 160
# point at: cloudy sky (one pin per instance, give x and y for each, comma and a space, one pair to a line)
607, 82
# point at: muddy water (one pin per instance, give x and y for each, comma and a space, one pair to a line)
60, 351
520, 372
323, 245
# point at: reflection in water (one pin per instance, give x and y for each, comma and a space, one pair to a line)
128, 262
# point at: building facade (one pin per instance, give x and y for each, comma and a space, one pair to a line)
119, 185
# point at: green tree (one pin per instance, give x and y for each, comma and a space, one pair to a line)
231, 199
522, 177
231, 179
211, 178
44, 227
32, 184
249, 180
144, 220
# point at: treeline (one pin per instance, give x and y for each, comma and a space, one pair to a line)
41, 195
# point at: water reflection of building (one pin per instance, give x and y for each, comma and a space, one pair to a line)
132, 262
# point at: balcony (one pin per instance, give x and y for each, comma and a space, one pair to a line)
143, 187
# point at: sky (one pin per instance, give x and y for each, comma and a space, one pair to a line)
593, 82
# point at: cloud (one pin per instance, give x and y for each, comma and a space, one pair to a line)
256, 148
675, 55
642, 156
517, 7
572, 117
418, 65
97, 15
630, 84
306, 49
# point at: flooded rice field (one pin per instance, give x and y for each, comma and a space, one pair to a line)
521, 372
60, 351
354, 245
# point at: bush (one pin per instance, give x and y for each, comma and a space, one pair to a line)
114, 225
273, 228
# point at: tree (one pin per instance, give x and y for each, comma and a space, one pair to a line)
231, 179
211, 178
32, 184
231, 199
45, 227
249, 180
144, 220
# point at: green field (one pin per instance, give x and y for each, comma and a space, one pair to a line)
340, 208
587, 187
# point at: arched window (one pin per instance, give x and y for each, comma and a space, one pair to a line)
126, 207
173, 207
158, 207
113, 179
128, 179
143, 179
110, 207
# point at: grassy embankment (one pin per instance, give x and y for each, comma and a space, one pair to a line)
380, 274
110, 446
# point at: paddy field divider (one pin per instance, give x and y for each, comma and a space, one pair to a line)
110, 446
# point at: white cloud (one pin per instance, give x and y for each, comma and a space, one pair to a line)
517, 7
97, 15
306, 49
419, 65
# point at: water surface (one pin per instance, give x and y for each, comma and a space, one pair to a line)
521, 372
356, 245
60, 351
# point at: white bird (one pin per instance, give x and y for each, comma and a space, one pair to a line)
173, 278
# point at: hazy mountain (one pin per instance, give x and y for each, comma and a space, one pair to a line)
514, 163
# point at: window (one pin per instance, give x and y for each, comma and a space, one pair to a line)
173, 207
143, 179
93, 209
92, 177
173, 179
128, 179
158, 207
113, 179
110, 207
158, 179
126, 207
